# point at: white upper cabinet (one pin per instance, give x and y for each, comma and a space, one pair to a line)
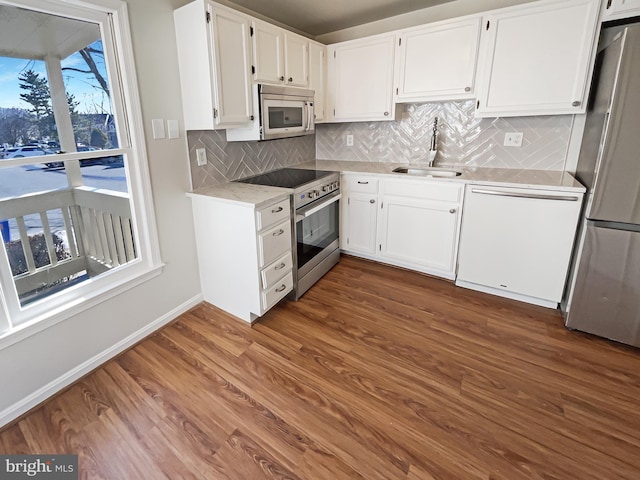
296, 55
268, 52
360, 83
438, 61
615, 9
214, 60
317, 77
279, 57
536, 58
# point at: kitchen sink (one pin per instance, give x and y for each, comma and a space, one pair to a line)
431, 172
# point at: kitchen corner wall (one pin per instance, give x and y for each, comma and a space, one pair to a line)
463, 139
228, 161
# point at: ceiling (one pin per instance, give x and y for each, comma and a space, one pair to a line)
33, 35
317, 17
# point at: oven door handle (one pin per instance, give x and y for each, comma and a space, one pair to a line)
301, 214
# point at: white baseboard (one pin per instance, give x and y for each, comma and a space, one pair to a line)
14, 411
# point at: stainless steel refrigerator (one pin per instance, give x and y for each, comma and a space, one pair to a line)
604, 291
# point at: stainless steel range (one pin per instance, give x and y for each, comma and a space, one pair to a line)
316, 206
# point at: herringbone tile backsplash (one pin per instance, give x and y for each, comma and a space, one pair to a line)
228, 161
463, 139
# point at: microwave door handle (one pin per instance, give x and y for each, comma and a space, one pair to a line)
309, 114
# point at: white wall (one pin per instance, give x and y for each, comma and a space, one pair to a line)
445, 11
43, 363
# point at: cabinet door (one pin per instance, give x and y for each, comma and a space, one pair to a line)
317, 77
229, 33
359, 223
268, 48
296, 60
361, 85
537, 58
419, 232
438, 62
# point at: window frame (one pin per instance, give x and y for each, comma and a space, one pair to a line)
18, 322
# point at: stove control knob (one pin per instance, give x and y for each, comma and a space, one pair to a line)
326, 188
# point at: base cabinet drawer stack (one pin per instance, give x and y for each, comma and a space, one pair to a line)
245, 254
412, 223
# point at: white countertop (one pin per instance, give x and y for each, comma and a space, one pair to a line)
256, 196
504, 177
243, 194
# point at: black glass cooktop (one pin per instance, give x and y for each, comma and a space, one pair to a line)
286, 177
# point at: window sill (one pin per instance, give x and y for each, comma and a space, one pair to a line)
31, 327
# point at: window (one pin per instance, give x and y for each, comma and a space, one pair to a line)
75, 211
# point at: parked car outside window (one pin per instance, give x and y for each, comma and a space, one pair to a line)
26, 151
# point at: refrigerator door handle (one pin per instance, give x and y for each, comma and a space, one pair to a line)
500, 193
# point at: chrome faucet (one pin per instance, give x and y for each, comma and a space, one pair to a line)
433, 148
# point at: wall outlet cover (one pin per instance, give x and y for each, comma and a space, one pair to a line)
349, 140
201, 156
513, 139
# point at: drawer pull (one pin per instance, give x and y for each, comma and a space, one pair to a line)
281, 266
281, 288
277, 210
363, 183
278, 233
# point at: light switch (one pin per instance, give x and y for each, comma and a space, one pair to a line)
157, 126
173, 129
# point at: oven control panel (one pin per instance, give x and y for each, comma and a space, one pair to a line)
317, 190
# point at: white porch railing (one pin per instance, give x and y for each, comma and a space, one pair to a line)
98, 229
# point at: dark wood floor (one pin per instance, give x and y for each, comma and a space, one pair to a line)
377, 373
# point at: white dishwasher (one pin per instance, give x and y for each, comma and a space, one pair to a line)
517, 242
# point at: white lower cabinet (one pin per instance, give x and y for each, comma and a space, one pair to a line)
405, 222
244, 254
359, 214
517, 242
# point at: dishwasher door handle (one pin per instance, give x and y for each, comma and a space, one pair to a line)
502, 193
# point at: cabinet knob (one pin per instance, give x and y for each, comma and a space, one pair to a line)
282, 78
453, 210
576, 103
467, 89
386, 114
372, 201
290, 79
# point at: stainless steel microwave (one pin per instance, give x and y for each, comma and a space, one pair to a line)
279, 112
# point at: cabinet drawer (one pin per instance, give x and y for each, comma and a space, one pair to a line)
441, 192
276, 293
276, 270
361, 184
273, 213
274, 242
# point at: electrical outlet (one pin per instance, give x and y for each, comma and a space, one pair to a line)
349, 140
513, 139
201, 156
